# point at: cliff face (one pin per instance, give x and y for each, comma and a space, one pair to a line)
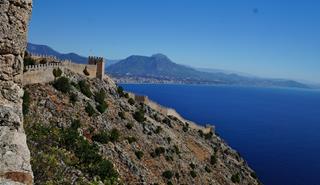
14, 154
74, 139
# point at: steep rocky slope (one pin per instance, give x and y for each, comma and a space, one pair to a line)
71, 141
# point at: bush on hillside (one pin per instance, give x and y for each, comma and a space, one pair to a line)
73, 97
57, 72
139, 154
131, 139
193, 174
235, 178
100, 96
122, 115
131, 101
90, 110
102, 107
102, 137
167, 174
62, 84
139, 116
85, 88
120, 91
114, 135
213, 159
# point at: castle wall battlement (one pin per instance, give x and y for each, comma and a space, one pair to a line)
43, 73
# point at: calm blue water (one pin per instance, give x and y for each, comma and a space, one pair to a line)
276, 130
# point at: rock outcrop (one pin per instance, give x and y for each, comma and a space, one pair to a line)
15, 165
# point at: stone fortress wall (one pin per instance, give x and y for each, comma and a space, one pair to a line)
15, 165
170, 112
43, 73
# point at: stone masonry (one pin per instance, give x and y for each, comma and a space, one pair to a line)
15, 165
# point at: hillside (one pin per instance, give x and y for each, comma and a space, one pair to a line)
160, 69
90, 131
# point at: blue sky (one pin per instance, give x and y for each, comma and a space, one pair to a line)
270, 38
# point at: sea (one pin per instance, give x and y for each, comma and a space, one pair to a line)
276, 130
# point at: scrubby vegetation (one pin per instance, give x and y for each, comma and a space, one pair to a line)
28, 61
90, 110
62, 84
57, 72
193, 174
131, 101
99, 97
213, 159
63, 150
85, 88
73, 97
139, 154
235, 178
139, 116
168, 174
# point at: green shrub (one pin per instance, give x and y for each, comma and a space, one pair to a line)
185, 128
253, 175
121, 115
158, 130
213, 159
139, 116
208, 170
139, 154
75, 124
169, 183
159, 150
208, 135
126, 95
193, 174
28, 61
176, 149
167, 121
131, 139
100, 96
129, 126
57, 72
120, 91
192, 166
167, 174
102, 137
102, 107
85, 88
73, 97
114, 135
90, 110
169, 139
62, 84
131, 101
201, 134
235, 178
105, 170
26, 102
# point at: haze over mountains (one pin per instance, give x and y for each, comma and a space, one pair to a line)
159, 68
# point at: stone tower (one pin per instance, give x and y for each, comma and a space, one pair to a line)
15, 165
99, 62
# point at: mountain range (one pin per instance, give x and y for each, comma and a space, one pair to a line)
159, 68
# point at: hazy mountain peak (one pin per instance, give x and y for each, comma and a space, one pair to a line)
159, 56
